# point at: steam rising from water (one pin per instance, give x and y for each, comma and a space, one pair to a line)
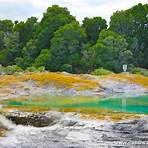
6, 123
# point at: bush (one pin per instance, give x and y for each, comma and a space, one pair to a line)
10, 69
67, 68
1, 69
101, 71
41, 69
31, 69
34, 69
138, 70
43, 59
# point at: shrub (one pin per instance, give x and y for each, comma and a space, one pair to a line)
2, 69
41, 69
138, 70
67, 68
10, 69
43, 59
34, 69
101, 71
31, 69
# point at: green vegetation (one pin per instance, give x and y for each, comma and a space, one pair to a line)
110, 52
66, 47
9, 70
133, 25
59, 43
34, 69
101, 71
93, 26
67, 68
138, 70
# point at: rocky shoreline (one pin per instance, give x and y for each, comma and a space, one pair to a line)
60, 130
105, 88
52, 129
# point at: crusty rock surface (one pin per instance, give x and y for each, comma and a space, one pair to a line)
68, 130
33, 119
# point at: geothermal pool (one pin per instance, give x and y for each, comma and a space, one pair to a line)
137, 105
73, 131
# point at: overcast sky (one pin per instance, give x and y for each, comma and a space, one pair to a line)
22, 9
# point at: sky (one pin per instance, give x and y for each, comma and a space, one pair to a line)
22, 9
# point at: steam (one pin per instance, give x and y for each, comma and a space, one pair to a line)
5, 123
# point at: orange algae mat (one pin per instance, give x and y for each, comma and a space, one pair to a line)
57, 79
129, 78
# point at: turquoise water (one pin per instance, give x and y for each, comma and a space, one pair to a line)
130, 105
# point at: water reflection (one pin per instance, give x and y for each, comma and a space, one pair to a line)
124, 104
78, 103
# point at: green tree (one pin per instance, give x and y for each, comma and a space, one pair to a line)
133, 24
27, 52
43, 59
6, 26
110, 52
54, 17
24, 62
93, 27
67, 68
66, 47
26, 30
6, 32
1, 40
11, 49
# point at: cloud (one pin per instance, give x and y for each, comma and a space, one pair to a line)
21, 9
97, 2
16, 10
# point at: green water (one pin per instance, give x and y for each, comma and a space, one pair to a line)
130, 105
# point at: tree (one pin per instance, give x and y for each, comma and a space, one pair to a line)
54, 17
26, 30
66, 47
133, 24
93, 26
6, 26
59, 43
1, 40
6, 32
11, 49
26, 60
67, 68
43, 59
110, 52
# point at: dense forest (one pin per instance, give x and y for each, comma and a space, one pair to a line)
60, 43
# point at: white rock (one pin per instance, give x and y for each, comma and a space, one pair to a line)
78, 136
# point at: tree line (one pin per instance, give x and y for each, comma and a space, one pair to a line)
60, 43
